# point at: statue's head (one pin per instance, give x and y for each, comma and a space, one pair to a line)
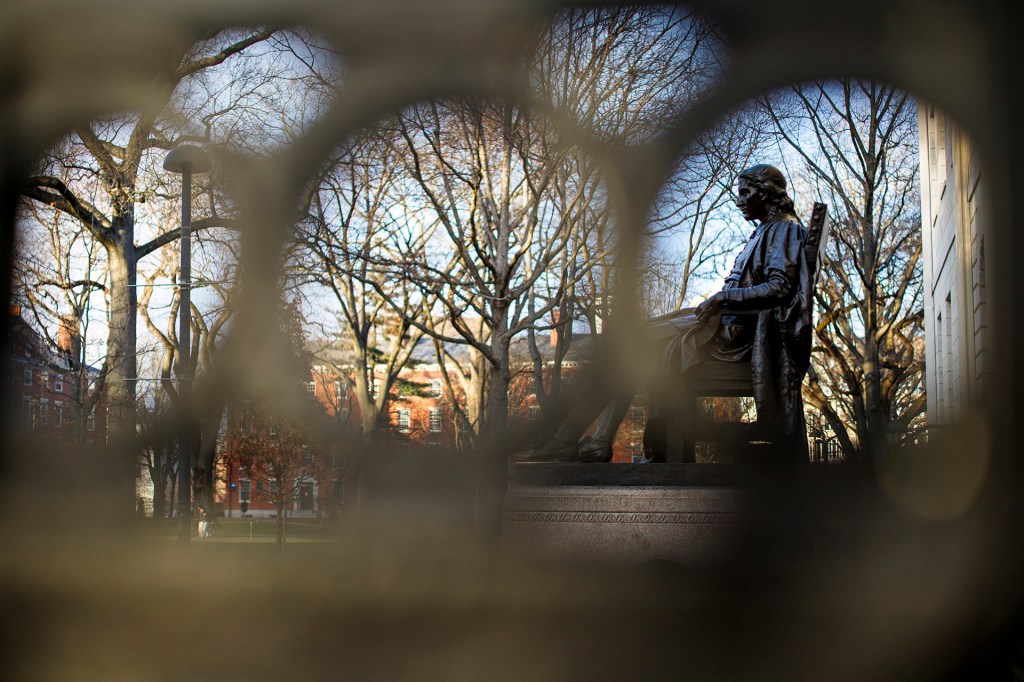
770, 186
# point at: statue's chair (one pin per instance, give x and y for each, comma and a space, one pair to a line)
675, 440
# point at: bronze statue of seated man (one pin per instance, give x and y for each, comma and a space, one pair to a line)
761, 315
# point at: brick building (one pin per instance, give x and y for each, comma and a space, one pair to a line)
268, 466
421, 417
53, 393
421, 414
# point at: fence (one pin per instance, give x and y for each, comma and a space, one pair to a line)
785, 608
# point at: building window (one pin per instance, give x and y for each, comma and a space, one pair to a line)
340, 390
376, 388
306, 497
58, 414
947, 331
940, 372
311, 388
58, 385
435, 420
244, 489
44, 416
638, 416
273, 487
28, 376
534, 413
435, 387
343, 414
273, 429
90, 422
403, 420
307, 456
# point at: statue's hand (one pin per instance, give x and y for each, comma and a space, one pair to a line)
711, 306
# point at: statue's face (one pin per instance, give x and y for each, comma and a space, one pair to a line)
749, 201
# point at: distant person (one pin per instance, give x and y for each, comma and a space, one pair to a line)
204, 522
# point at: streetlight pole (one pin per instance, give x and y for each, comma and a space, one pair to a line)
186, 160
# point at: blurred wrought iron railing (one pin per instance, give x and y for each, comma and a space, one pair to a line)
64, 64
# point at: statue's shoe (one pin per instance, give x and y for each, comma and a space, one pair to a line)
549, 452
594, 450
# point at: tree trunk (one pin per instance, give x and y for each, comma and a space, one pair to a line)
204, 478
280, 516
121, 347
496, 424
174, 492
875, 422
495, 467
369, 419
159, 489
475, 396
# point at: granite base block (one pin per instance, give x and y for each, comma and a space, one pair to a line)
634, 525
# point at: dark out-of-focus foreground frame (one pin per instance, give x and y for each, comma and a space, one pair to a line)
66, 63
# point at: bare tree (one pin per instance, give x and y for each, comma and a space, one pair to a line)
467, 394
481, 175
856, 141
275, 453
110, 155
159, 455
206, 331
622, 72
58, 275
524, 224
356, 208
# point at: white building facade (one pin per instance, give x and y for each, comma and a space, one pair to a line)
953, 244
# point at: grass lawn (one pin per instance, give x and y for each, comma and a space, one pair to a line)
245, 530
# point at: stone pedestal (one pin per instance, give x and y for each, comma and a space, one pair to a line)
627, 513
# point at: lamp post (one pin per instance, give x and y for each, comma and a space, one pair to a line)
185, 159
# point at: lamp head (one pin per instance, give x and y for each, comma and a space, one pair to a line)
189, 155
